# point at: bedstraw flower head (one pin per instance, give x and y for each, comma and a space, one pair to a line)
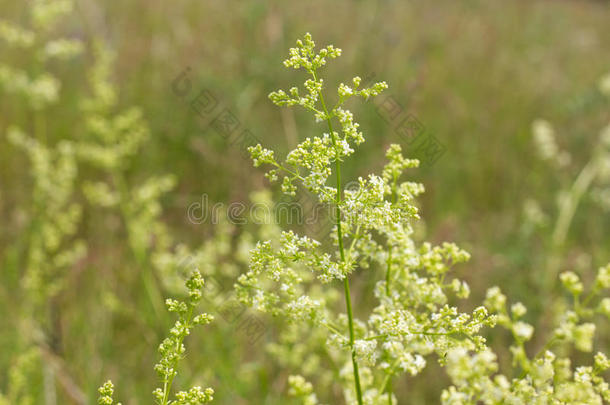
106, 392
295, 277
172, 350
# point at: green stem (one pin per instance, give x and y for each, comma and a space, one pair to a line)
540, 352
567, 209
348, 300
167, 385
388, 273
388, 281
387, 381
591, 295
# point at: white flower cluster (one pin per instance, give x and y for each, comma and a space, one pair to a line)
546, 144
549, 380
304, 56
545, 378
373, 231
301, 388
278, 273
311, 161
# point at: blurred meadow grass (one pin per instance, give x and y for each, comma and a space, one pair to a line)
476, 74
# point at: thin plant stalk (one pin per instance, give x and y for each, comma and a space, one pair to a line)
567, 209
348, 300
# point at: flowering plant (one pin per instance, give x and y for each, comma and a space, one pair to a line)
172, 351
295, 277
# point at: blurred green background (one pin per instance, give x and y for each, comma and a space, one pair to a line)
474, 73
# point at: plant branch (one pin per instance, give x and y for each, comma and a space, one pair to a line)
348, 300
